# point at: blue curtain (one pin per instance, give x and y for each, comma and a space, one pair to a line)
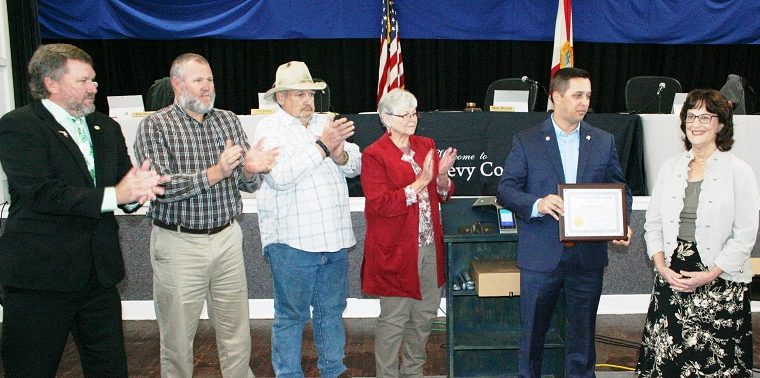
611, 21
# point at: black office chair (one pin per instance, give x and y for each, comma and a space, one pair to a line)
159, 95
740, 93
511, 84
644, 96
322, 98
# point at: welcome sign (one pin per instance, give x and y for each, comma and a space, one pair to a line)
483, 140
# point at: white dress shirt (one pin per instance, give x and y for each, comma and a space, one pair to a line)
569, 148
60, 114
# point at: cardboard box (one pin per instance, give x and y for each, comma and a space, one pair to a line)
495, 278
754, 263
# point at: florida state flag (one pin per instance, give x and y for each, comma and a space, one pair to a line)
563, 37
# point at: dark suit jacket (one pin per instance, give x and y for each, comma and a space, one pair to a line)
533, 169
55, 233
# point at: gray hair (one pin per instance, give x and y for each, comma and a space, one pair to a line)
178, 65
49, 61
396, 100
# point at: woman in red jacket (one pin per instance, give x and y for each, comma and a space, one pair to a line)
404, 180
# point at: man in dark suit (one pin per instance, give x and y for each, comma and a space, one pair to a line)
60, 257
562, 149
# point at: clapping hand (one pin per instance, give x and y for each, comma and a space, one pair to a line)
259, 160
335, 133
423, 179
140, 184
229, 159
444, 165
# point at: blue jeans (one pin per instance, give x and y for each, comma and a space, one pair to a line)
302, 279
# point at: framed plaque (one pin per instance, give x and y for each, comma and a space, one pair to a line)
593, 212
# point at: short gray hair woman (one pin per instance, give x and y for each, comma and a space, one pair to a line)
404, 180
394, 102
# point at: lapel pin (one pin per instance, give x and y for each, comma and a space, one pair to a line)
65, 134
547, 138
96, 127
588, 137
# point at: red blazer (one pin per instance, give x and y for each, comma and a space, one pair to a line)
391, 242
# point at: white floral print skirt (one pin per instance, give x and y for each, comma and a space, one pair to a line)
707, 333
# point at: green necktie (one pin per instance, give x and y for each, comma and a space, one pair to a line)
84, 144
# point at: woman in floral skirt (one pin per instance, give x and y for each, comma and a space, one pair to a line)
700, 227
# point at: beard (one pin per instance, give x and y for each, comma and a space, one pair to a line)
80, 108
189, 102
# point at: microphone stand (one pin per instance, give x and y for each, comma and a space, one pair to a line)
531, 81
658, 96
542, 87
659, 102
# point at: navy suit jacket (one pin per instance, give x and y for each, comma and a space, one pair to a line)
55, 234
533, 169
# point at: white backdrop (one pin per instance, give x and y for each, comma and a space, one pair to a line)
663, 140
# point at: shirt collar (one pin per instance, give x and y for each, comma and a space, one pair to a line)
560, 133
317, 122
59, 113
183, 111
407, 157
281, 113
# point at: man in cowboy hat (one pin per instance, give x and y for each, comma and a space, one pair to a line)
305, 222
196, 246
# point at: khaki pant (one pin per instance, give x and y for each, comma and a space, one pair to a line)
187, 268
409, 321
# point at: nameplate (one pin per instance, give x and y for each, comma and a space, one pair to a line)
496, 108
262, 111
140, 114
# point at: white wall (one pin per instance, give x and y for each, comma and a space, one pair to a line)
6, 90
6, 83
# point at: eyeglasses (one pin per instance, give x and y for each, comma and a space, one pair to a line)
703, 118
84, 82
407, 116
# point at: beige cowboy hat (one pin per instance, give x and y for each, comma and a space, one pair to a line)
293, 76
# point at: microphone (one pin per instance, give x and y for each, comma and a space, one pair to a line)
657, 97
526, 79
659, 88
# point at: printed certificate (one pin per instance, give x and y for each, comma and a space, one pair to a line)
593, 212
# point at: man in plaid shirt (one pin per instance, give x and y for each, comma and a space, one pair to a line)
196, 245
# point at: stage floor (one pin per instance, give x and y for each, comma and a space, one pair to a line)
617, 344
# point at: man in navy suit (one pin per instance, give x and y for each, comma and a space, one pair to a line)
562, 149
60, 257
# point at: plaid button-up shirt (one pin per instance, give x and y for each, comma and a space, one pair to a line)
304, 200
181, 147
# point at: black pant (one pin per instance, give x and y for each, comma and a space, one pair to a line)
37, 323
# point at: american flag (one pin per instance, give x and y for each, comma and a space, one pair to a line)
391, 73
